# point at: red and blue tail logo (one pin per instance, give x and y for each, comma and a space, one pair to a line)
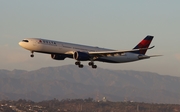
143, 44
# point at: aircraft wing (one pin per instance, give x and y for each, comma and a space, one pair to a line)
113, 53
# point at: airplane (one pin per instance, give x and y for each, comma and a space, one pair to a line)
61, 50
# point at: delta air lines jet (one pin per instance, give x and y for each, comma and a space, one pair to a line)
61, 50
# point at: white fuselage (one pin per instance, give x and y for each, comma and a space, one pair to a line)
56, 47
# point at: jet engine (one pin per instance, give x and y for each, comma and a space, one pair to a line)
57, 57
81, 56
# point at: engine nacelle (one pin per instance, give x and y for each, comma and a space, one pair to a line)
81, 56
57, 57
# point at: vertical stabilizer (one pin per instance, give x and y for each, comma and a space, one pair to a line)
143, 44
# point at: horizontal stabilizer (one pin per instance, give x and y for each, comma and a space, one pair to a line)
146, 57
155, 55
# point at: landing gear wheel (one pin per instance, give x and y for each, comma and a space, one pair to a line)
32, 55
91, 63
77, 63
94, 66
81, 66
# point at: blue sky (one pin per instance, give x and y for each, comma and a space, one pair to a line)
112, 24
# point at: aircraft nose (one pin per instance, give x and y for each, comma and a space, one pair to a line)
20, 43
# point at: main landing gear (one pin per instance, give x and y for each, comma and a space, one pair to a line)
32, 54
90, 64
79, 64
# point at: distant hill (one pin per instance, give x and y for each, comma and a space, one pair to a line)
71, 82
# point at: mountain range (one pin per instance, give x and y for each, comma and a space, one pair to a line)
70, 82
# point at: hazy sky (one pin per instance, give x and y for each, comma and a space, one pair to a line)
116, 24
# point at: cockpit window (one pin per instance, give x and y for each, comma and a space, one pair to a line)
25, 41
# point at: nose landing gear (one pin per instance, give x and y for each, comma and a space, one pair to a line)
32, 54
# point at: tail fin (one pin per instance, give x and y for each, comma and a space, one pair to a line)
143, 44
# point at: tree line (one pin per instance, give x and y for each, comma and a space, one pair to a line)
90, 105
